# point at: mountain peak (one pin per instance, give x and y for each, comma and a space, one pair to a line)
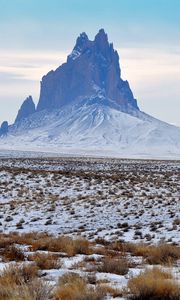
83, 36
103, 46
26, 109
91, 69
81, 40
101, 36
81, 44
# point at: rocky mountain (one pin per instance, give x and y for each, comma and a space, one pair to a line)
85, 107
91, 68
26, 109
4, 128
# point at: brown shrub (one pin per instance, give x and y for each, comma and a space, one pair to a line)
109, 290
28, 238
5, 241
153, 284
12, 253
63, 244
73, 287
21, 283
45, 261
164, 254
18, 274
114, 265
156, 254
44, 241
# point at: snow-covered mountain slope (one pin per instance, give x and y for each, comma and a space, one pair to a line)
91, 128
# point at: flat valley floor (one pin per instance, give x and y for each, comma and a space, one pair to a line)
129, 200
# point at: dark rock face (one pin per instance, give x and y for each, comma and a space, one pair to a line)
91, 68
27, 109
4, 128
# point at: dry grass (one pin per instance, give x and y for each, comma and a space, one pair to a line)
155, 254
45, 261
73, 287
63, 244
19, 273
153, 285
47, 242
23, 280
12, 253
5, 241
117, 266
109, 290
22, 283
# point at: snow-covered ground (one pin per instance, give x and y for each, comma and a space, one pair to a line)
128, 200
102, 199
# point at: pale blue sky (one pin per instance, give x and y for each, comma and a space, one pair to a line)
36, 36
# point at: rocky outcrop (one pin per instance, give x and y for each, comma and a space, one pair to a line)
92, 68
27, 109
4, 128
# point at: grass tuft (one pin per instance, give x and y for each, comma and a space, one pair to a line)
45, 261
22, 283
73, 287
153, 285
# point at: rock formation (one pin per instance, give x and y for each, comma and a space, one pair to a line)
4, 128
91, 69
27, 109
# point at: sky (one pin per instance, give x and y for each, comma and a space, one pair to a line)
37, 35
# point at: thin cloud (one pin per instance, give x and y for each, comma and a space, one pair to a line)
29, 65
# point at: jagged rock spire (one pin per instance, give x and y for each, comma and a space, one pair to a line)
82, 43
81, 40
101, 38
92, 65
4, 128
26, 109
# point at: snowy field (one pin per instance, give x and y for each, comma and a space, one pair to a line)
117, 209
127, 200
